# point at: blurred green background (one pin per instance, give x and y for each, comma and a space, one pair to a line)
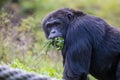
22, 39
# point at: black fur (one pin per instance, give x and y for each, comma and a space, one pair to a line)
91, 45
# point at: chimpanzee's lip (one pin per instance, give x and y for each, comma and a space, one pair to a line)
53, 37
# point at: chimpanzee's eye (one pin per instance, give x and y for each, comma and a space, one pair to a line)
52, 24
56, 23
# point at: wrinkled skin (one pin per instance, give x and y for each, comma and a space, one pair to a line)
91, 45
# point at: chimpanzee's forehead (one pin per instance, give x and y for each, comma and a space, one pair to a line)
56, 14
59, 13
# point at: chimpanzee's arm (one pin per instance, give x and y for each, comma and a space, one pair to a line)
77, 60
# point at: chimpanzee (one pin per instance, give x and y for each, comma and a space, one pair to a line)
91, 45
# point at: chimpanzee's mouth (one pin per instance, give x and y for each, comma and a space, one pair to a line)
54, 36
58, 42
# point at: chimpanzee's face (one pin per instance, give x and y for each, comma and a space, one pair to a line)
56, 23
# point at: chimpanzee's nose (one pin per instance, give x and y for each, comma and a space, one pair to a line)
53, 34
53, 31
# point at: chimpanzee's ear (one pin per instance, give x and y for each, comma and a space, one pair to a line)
70, 15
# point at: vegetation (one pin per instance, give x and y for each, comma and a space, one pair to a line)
22, 40
58, 43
